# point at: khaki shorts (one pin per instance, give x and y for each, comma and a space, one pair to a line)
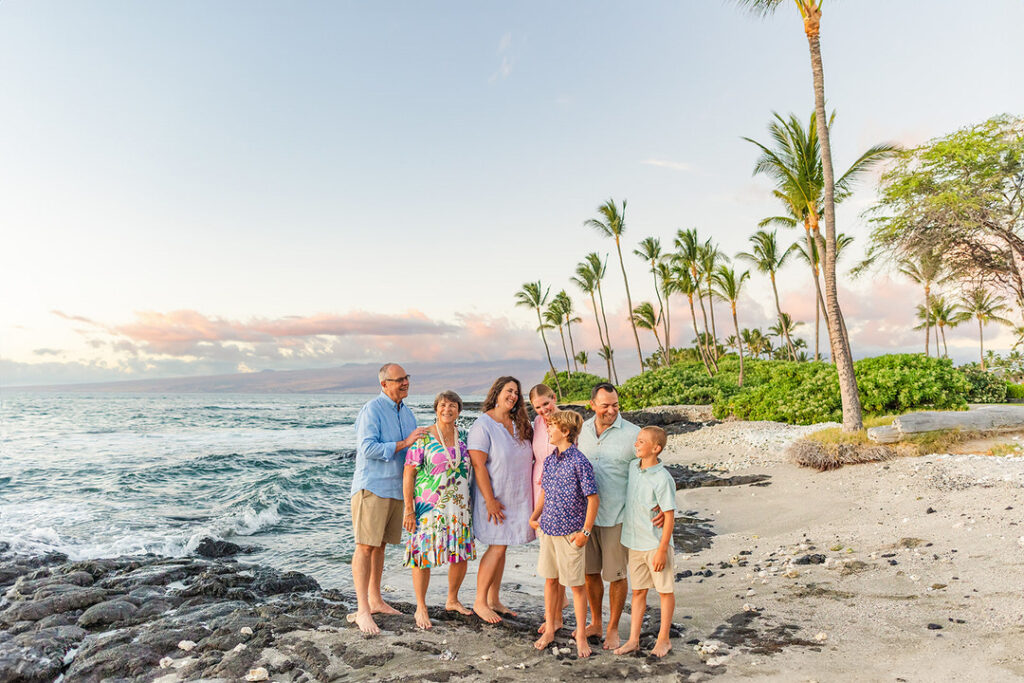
561, 559
605, 553
643, 576
376, 520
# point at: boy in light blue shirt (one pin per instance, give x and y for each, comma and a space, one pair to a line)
650, 486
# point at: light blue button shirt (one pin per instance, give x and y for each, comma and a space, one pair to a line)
610, 454
381, 424
646, 489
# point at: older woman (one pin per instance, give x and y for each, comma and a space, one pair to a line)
438, 516
502, 454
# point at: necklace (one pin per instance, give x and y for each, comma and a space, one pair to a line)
444, 446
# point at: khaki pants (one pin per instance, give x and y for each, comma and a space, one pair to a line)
561, 559
376, 520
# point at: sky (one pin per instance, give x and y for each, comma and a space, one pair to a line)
193, 188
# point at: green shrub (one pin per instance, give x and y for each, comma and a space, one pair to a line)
899, 382
688, 383
986, 387
798, 393
1014, 392
574, 388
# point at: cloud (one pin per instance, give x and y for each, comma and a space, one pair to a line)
508, 59
664, 163
46, 352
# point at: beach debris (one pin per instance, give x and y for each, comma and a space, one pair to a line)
187, 645
485, 657
166, 662
245, 631
747, 607
238, 648
447, 656
821, 636
791, 573
719, 660
915, 577
816, 558
257, 674
937, 586
707, 647
934, 627
564, 651
388, 588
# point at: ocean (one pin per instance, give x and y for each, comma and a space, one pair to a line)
101, 475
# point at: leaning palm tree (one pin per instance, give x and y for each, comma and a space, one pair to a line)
555, 318
683, 283
813, 259
645, 318
689, 256
727, 288
611, 222
606, 352
668, 288
926, 270
586, 280
650, 251
599, 268
769, 258
567, 308
986, 307
534, 295
710, 258
583, 359
784, 329
942, 314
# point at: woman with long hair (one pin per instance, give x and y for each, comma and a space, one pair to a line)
501, 450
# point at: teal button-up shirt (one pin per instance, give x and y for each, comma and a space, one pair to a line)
647, 488
610, 454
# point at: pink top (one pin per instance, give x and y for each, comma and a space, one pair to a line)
541, 449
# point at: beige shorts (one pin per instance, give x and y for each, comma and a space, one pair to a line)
561, 559
643, 576
376, 520
605, 553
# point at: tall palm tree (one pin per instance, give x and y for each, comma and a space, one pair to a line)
567, 308
534, 295
600, 268
783, 329
943, 315
644, 317
583, 359
727, 288
769, 258
555, 318
689, 256
986, 307
668, 288
586, 280
683, 283
710, 258
813, 258
607, 353
926, 270
650, 251
611, 222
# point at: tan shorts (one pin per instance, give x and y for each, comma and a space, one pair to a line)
561, 559
643, 576
605, 553
376, 520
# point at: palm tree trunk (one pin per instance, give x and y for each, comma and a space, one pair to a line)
778, 309
817, 328
945, 349
928, 324
736, 326
629, 302
981, 342
568, 368
668, 338
853, 418
600, 334
661, 304
554, 373
607, 333
572, 347
700, 346
711, 307
704, 314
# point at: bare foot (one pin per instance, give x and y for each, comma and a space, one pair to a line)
661, 648
456, 606
365, 623
591, 630
611, 640
501, 609
422, 619
544, 640
582, 648
544, 625
382, 608
486, 613
630, 646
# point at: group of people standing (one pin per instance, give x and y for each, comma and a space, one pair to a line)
504, 483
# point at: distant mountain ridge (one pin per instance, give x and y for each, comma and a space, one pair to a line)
351, 378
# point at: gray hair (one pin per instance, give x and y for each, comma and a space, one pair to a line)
449, 396
383, 372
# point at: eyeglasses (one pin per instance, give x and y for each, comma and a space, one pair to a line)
399, 380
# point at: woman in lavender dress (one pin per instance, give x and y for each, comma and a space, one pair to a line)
501, 449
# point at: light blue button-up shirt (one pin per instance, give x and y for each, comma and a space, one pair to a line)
610, 454
381, 424
647, 488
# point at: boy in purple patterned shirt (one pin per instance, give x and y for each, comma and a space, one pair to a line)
563, 518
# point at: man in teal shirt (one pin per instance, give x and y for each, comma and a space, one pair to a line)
607, 441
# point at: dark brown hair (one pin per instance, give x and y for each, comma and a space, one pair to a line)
519, 417
569, 421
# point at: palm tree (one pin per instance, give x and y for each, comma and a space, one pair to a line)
813, 258
689, 256
599, 269
645, 318
710, 258
650, 251
606, 352
668, 288
567, 308
586, 279
533, 295
981, 304
943, 314
768, 258
731, 343
612, 223
926, 270
684, 284
555, 318
783, 329
583, 359
727, 288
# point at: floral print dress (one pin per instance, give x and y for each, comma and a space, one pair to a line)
444, 513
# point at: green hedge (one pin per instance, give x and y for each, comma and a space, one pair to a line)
574, 388
1014, 392
688, 383
986, 387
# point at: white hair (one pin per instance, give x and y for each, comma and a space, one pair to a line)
383, 372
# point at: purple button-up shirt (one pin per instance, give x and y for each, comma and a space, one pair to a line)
567, 480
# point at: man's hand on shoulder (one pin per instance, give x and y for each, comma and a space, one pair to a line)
416, 434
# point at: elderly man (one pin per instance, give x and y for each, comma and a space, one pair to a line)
385, 428
607, 441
